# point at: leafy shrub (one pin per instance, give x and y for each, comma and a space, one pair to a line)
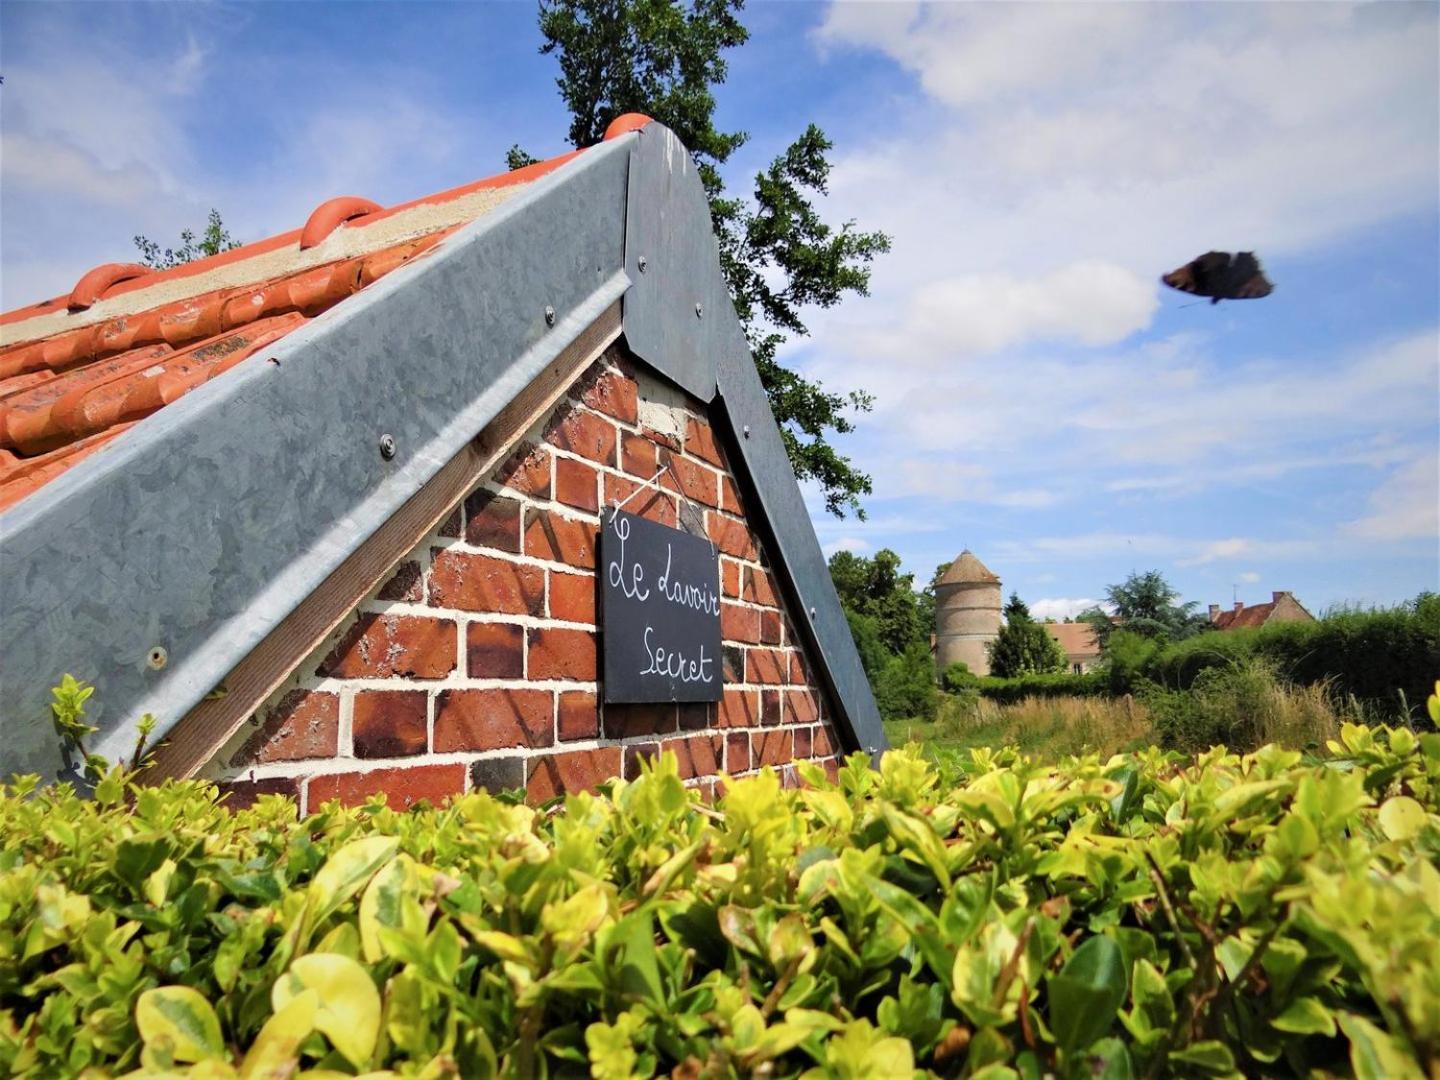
1242, 707
1129, 661
905, 686
1146, 915
1010, 691
1379, 657
957, 677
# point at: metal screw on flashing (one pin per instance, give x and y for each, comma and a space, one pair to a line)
699, 311
157, 658
745, 430
812, 613
642, 262
549, 315
387, 446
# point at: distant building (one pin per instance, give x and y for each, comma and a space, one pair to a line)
1283, 607
967, 614
1079, 643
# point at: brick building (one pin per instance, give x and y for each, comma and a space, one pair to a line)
327, 505
1283, 607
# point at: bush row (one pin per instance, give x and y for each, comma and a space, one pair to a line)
989, 917
1010, 691
1376, 656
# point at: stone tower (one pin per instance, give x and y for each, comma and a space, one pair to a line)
967, 614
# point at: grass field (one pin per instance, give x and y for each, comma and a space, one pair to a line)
1048, 728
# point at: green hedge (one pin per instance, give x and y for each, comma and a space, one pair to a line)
1149, 915
1009, 691
1373, 655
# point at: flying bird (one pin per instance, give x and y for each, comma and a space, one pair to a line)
1222, 276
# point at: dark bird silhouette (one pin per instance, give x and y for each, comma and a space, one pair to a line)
1221, 276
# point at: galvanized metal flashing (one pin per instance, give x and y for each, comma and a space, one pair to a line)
199, 531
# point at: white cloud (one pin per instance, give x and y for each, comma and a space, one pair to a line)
1406, 506
1249, 577
846, 543
1151, 548
1062, 607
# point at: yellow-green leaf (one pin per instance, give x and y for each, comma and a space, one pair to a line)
390, 900
183, 1020
347, 871
348, 1005
276, 1050
1402, 818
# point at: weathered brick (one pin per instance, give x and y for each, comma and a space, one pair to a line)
527, 471
730, 497
559, 539
770, 629
823, 742
578, 770
739, 623
700, 441
799, 676
572, 597
732, 536
737, 751
559, 653
241, 794
661, 438
770, 708
832, 769
698, 755
494, 651
789, 778
802, 742
759, 589
389, 723
497, 774
493, 521
732, 663
739, 708
450, 527
654, 503
635, 753
404, 786
583, 433
627, 721
303, 724
772, 747
695, 481
386, 646
407, 583
579, 715
486, 583
613, 394
800, 707
694, 716
494, 719
730, 578
577, 484
767, 666
638, 455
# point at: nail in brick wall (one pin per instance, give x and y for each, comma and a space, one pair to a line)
474, 665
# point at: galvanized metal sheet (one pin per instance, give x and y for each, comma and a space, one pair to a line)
201, 529
671, 256
747, 409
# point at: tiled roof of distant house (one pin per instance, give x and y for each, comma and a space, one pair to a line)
78, 371
1075, 638
1243, 615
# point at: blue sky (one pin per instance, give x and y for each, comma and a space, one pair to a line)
1041, 399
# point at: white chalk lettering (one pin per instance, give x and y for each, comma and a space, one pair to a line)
676, 665
632, 589
699, 598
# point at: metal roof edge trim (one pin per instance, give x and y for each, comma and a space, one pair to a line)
273, 471
678, 317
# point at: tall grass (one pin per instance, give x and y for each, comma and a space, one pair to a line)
1243, 706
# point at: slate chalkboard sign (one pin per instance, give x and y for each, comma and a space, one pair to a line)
659, 612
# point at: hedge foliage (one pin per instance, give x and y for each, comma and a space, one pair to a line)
990, 918
1011, 691
1373, 655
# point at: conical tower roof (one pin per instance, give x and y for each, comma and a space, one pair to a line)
968, 570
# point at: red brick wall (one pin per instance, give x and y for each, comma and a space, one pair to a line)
475, 664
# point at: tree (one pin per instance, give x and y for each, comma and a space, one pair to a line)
876, 590
664, 58
1144, 604
215, 239
1023, 646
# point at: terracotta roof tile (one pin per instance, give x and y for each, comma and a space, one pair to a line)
79, 370
1254, 615
968, 570
1076, 638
